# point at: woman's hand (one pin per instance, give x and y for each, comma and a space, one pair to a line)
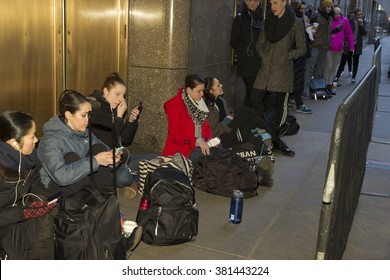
105, 158
121, 109
204, 148
134, 114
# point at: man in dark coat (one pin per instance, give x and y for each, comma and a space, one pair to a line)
244, 35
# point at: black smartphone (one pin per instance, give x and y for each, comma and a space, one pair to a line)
139, 107
53, 198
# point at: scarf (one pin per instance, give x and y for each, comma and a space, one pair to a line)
197, 110
10, 158
276, 28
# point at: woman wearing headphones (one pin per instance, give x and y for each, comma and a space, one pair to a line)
26, 231
243, 38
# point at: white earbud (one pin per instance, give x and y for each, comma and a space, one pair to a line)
15, 144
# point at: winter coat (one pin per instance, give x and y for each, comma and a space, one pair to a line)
243, 38
57, 141
216, 125
361, 29
30, 182
101, 123
181, 128
276, 72
322, 35
337, 38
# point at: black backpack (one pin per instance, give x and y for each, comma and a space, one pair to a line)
172, 217
222, 173
87, 227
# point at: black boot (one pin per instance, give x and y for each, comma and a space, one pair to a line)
280, 146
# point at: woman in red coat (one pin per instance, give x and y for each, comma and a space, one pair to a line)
187, 112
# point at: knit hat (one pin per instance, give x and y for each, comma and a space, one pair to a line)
326, 3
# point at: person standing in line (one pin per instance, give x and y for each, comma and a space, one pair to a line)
359, 30
299, 63
244, 34
346, 56
320, 44
340, 30
281, 40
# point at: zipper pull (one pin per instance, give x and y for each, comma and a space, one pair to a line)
158, 217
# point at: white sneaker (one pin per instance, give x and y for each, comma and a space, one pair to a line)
342, 73
350, 74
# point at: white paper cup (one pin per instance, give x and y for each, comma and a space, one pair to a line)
128, 227
315, 24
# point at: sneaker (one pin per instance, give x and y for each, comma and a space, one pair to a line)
342, 74
306, 96
336, 79
303, 109
353, 81
350, 74
128, 192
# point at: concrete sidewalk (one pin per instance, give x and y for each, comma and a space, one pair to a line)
281, 223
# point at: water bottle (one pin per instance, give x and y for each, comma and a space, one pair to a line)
236, 207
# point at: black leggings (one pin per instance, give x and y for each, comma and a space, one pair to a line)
272, 106
245, 119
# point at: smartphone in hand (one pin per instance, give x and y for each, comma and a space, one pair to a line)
139, 107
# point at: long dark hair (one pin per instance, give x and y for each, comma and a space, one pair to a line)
209, 98
14, 124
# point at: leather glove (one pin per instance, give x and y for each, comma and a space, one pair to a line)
37, 209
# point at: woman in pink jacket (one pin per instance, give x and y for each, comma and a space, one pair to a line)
340, 29
187, 114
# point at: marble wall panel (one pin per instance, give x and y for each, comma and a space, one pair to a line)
158, 33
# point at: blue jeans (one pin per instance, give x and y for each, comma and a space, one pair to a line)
127, 172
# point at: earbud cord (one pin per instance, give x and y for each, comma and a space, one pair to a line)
19, 178
248, 51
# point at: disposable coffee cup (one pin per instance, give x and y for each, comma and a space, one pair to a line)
315, 25
128, 227
334, 85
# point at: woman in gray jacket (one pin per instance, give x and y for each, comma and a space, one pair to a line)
64, 148
281, 41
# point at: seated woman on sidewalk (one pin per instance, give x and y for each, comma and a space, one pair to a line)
26, 226
112, 108
64, 149
225, 126
188, 129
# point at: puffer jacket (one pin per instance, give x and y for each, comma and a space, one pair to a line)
58, 140
276, 72
337, 38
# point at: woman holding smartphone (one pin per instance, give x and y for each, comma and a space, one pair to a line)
26, 224
110, 113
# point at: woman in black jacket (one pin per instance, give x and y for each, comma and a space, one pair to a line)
26, 231
111, 109
244, 35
